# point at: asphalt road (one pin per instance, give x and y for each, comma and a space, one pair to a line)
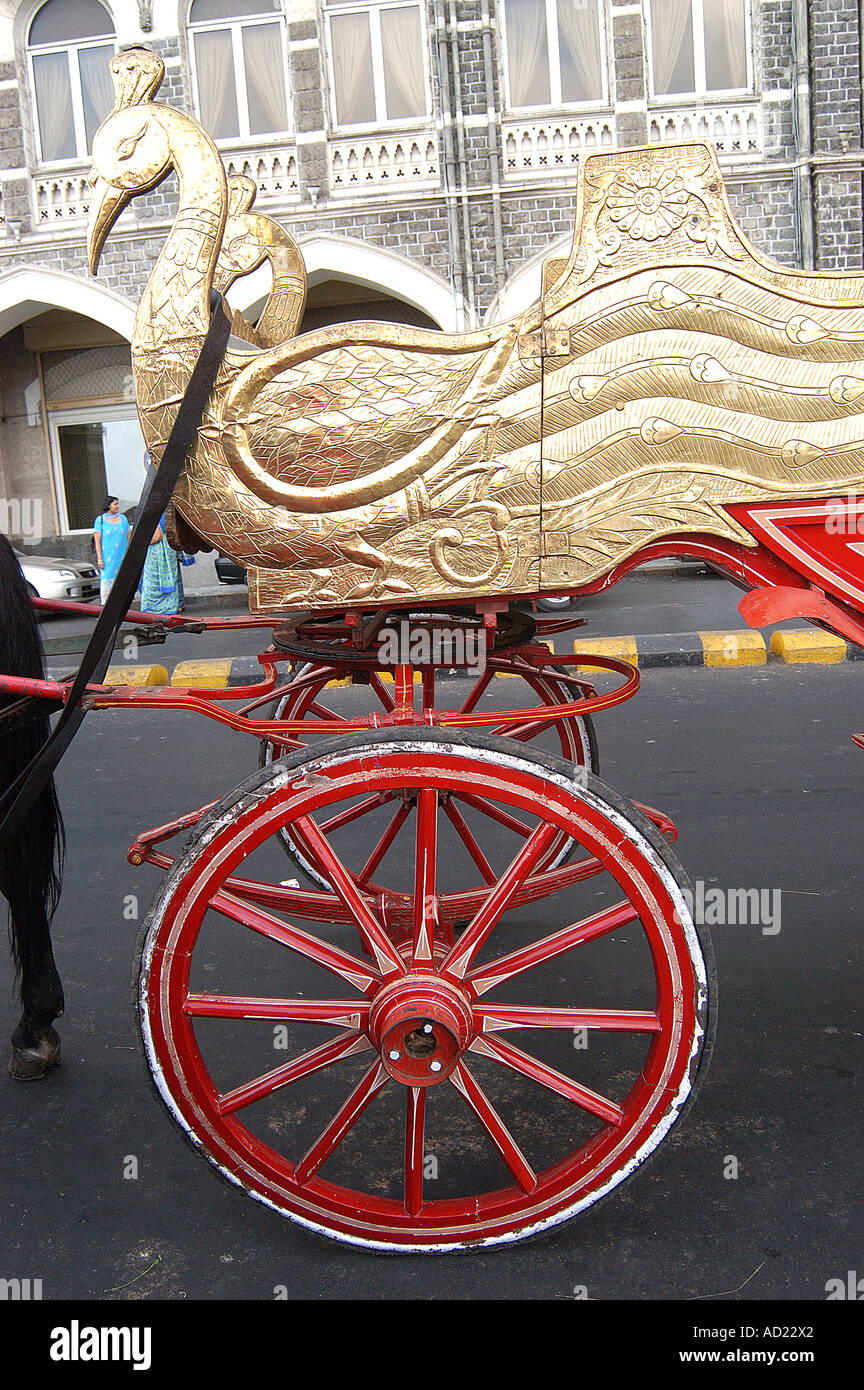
757, 769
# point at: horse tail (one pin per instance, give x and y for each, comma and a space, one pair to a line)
31, 863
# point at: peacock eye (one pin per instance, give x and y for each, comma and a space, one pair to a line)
126, 148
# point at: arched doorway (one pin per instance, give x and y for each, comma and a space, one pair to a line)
68, 425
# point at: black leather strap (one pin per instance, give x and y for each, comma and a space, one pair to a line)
19, 798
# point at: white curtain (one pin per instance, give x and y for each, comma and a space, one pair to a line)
217, 95
527, 52
725, 45
54, 106
265, 78
352, 68
672, 46
579, 49
402, 49
97, 91
202, 10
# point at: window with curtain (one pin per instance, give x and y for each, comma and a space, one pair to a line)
378, 57
699, 46
238, 58
554, 52
69, 45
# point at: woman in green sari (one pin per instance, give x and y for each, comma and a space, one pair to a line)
160, 587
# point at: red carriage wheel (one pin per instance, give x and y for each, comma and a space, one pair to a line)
417, 1124
320, 692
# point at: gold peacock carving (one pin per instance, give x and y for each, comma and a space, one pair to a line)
667, 372
250, 239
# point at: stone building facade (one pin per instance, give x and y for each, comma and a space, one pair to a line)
423, 152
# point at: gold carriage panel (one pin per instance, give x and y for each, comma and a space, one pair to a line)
667, 371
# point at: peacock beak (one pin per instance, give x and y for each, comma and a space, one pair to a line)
106, 204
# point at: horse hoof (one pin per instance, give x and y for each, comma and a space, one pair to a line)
29, 1063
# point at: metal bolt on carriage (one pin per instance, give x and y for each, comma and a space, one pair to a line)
426, 870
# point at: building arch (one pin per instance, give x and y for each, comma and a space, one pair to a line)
70, 430
524, 287
360, 264
26, 291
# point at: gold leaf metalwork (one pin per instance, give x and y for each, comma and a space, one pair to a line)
667, 372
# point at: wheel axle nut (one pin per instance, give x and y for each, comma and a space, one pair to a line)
421, 1026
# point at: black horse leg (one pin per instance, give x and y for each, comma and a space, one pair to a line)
35, 1044
31, 857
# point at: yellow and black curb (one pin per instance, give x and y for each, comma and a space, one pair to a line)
798, 646
807, 646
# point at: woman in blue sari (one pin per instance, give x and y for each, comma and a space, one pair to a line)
111, 538
160, 588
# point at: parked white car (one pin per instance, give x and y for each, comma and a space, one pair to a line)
554, 605
60, 579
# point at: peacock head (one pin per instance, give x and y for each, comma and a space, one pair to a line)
240, 252
131, 149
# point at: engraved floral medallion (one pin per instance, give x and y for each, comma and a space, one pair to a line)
648, 202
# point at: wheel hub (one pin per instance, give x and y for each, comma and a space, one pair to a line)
421, 1027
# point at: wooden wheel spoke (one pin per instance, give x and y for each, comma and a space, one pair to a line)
519, 1061
495, 1127
385, 842
415, 1126
324, 1056
342, 1013
352, 813
493, 1018
477, 690
456, 818
460, 957
357, 972
425, 866
488, 808
324, 712
330, 1138
334, 872
376, 684
567, 939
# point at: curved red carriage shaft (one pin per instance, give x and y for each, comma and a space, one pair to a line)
201, 701
166, 620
